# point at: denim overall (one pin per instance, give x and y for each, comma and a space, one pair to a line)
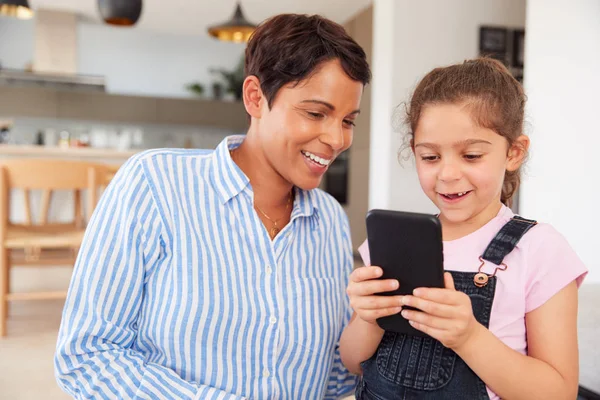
414, 367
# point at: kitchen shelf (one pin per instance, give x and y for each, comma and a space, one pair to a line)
63, 104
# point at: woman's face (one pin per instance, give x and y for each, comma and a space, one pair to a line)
309, 124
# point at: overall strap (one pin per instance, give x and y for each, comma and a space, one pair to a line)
507, 238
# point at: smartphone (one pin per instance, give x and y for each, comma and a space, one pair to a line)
408, 247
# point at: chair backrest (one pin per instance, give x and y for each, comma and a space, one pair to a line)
111, 171
47, 176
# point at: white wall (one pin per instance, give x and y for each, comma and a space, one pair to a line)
410, 39
16, 42
562, 80
142, 62
383, 71
133, 61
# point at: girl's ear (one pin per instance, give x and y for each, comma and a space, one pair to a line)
412, 145
517, 153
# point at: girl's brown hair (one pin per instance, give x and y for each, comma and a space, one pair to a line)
494, 97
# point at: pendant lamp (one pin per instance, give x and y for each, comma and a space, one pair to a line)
238, 29
16, 8
120, 12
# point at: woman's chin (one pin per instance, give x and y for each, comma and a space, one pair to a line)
307, 183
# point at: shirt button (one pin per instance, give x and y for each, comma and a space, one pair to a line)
266, 373
269, 270
272, 320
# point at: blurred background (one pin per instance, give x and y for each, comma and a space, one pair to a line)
90, 80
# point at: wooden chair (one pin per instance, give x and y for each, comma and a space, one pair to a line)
36, 243
111, 171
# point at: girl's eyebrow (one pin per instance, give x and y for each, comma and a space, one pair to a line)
462, 143
429, 145
469, 142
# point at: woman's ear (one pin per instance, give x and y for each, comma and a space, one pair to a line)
517, 153
412, 145
253, 96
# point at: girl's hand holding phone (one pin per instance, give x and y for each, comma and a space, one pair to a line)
446, 314
363, 291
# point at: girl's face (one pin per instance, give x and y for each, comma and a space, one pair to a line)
461, 165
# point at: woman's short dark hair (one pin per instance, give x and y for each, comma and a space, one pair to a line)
289, 48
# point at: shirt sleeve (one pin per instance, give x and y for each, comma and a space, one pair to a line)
552, 265
341, 382
94, 355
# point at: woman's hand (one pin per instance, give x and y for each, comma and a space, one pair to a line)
447, 314
363, 289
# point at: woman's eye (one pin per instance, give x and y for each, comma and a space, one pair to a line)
349, 123
315, 115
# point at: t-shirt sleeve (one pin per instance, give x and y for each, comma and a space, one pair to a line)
363, 250
552, 265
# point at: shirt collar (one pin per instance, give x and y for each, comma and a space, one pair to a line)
229, 180
305, 203
226, 177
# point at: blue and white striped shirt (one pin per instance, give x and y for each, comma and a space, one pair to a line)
178, 291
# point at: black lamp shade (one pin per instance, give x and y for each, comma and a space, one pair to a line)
16, 8
120, 12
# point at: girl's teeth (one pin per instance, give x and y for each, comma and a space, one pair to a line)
455, 195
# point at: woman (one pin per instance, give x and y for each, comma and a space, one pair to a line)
222, 274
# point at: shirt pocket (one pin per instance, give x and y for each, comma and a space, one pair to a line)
316, 313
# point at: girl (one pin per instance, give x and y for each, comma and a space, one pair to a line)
505, 325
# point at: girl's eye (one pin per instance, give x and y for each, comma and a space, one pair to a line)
472, 157
429, 158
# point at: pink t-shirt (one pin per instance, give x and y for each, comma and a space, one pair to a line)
541, 265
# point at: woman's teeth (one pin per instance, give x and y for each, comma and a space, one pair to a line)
316, 159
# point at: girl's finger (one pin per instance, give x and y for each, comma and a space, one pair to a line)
377, 302
372, 315
430, 307
443, 296
367, 288
433, 332
448, 281
427, 320
365, 273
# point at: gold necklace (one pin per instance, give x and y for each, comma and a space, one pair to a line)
275, 229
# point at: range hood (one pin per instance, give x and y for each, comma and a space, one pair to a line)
54, 63
11, 77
